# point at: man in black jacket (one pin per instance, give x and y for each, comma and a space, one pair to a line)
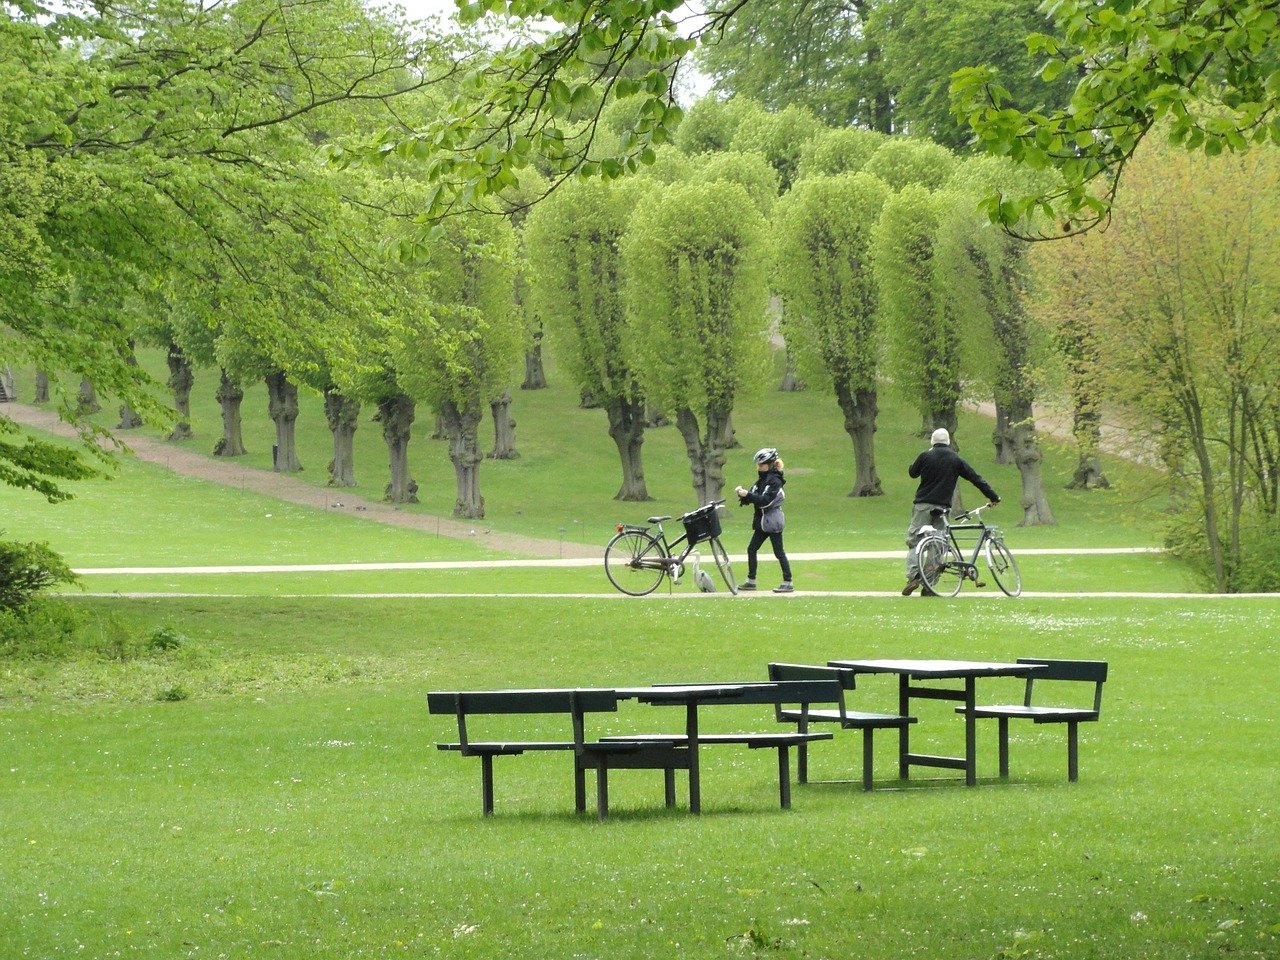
939, 469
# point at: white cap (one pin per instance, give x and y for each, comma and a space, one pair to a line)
941, 436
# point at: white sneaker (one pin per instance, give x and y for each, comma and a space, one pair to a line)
784, 587
747, 585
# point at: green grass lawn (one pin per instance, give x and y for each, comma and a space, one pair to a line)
293, 806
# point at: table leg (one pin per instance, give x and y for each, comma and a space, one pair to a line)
970, 732
904, 731
691, 731
784, 777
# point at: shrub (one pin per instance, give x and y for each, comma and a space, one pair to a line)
26, 569
165, 639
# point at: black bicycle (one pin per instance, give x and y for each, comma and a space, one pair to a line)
943, 568
636, 560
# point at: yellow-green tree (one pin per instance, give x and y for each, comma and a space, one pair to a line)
695, 260
823, 233
1190, 339
572, 241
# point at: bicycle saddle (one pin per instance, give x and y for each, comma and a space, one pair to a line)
658, 519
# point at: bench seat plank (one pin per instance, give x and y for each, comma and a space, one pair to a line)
749, 739
1037, 714
852, 719
507, 748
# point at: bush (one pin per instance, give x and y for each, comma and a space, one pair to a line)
26, 569
1256, 570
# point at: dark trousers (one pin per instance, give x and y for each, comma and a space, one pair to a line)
757, 538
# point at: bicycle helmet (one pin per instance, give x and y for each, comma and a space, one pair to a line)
766, 455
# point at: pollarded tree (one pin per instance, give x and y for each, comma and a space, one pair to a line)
712, 123
984, 271
922, 331
843, 150
900, 161
750, 170
695, 257
572, 239
780, 137
477, 345
823, 231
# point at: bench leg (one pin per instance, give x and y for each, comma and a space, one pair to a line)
784, 777
602, 788
669, 783
1073, 751
579, 787
866, 757
802, 763
486, 784
1004, 746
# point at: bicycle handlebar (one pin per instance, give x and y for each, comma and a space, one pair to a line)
976, 511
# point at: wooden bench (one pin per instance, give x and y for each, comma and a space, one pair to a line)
1077, 671
802, 693
868, 723
598, 755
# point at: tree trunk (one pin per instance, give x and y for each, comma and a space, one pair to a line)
706, 451
129, 419
8, 388
1022, 440
438, 431
87, 401
396, 416
282, 405
230, 395
42, 387
626, 426
1087, 429
464, 450
653, 417
1002, 436
535, 375
343, 414
791, 382
504, 430
181, 377
860, 409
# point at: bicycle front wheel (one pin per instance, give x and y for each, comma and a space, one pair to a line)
722, 563
634, 562
941, 566
1004, 569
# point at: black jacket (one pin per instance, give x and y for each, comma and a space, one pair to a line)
939, 468
762, 493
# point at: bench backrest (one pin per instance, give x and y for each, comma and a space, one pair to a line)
1083, 671
522, 701
805, 671
573, 702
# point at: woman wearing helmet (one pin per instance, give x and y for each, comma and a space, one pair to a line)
766, 496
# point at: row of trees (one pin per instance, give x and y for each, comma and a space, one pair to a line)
656, 286
164, 186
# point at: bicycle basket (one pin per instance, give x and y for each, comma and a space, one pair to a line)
701, 524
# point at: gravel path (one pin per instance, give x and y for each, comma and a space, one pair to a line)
181, 459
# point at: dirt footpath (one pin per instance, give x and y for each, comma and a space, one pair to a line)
181, 459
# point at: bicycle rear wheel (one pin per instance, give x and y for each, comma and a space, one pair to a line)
941, 566
634, 562
1004, 569
722, 562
